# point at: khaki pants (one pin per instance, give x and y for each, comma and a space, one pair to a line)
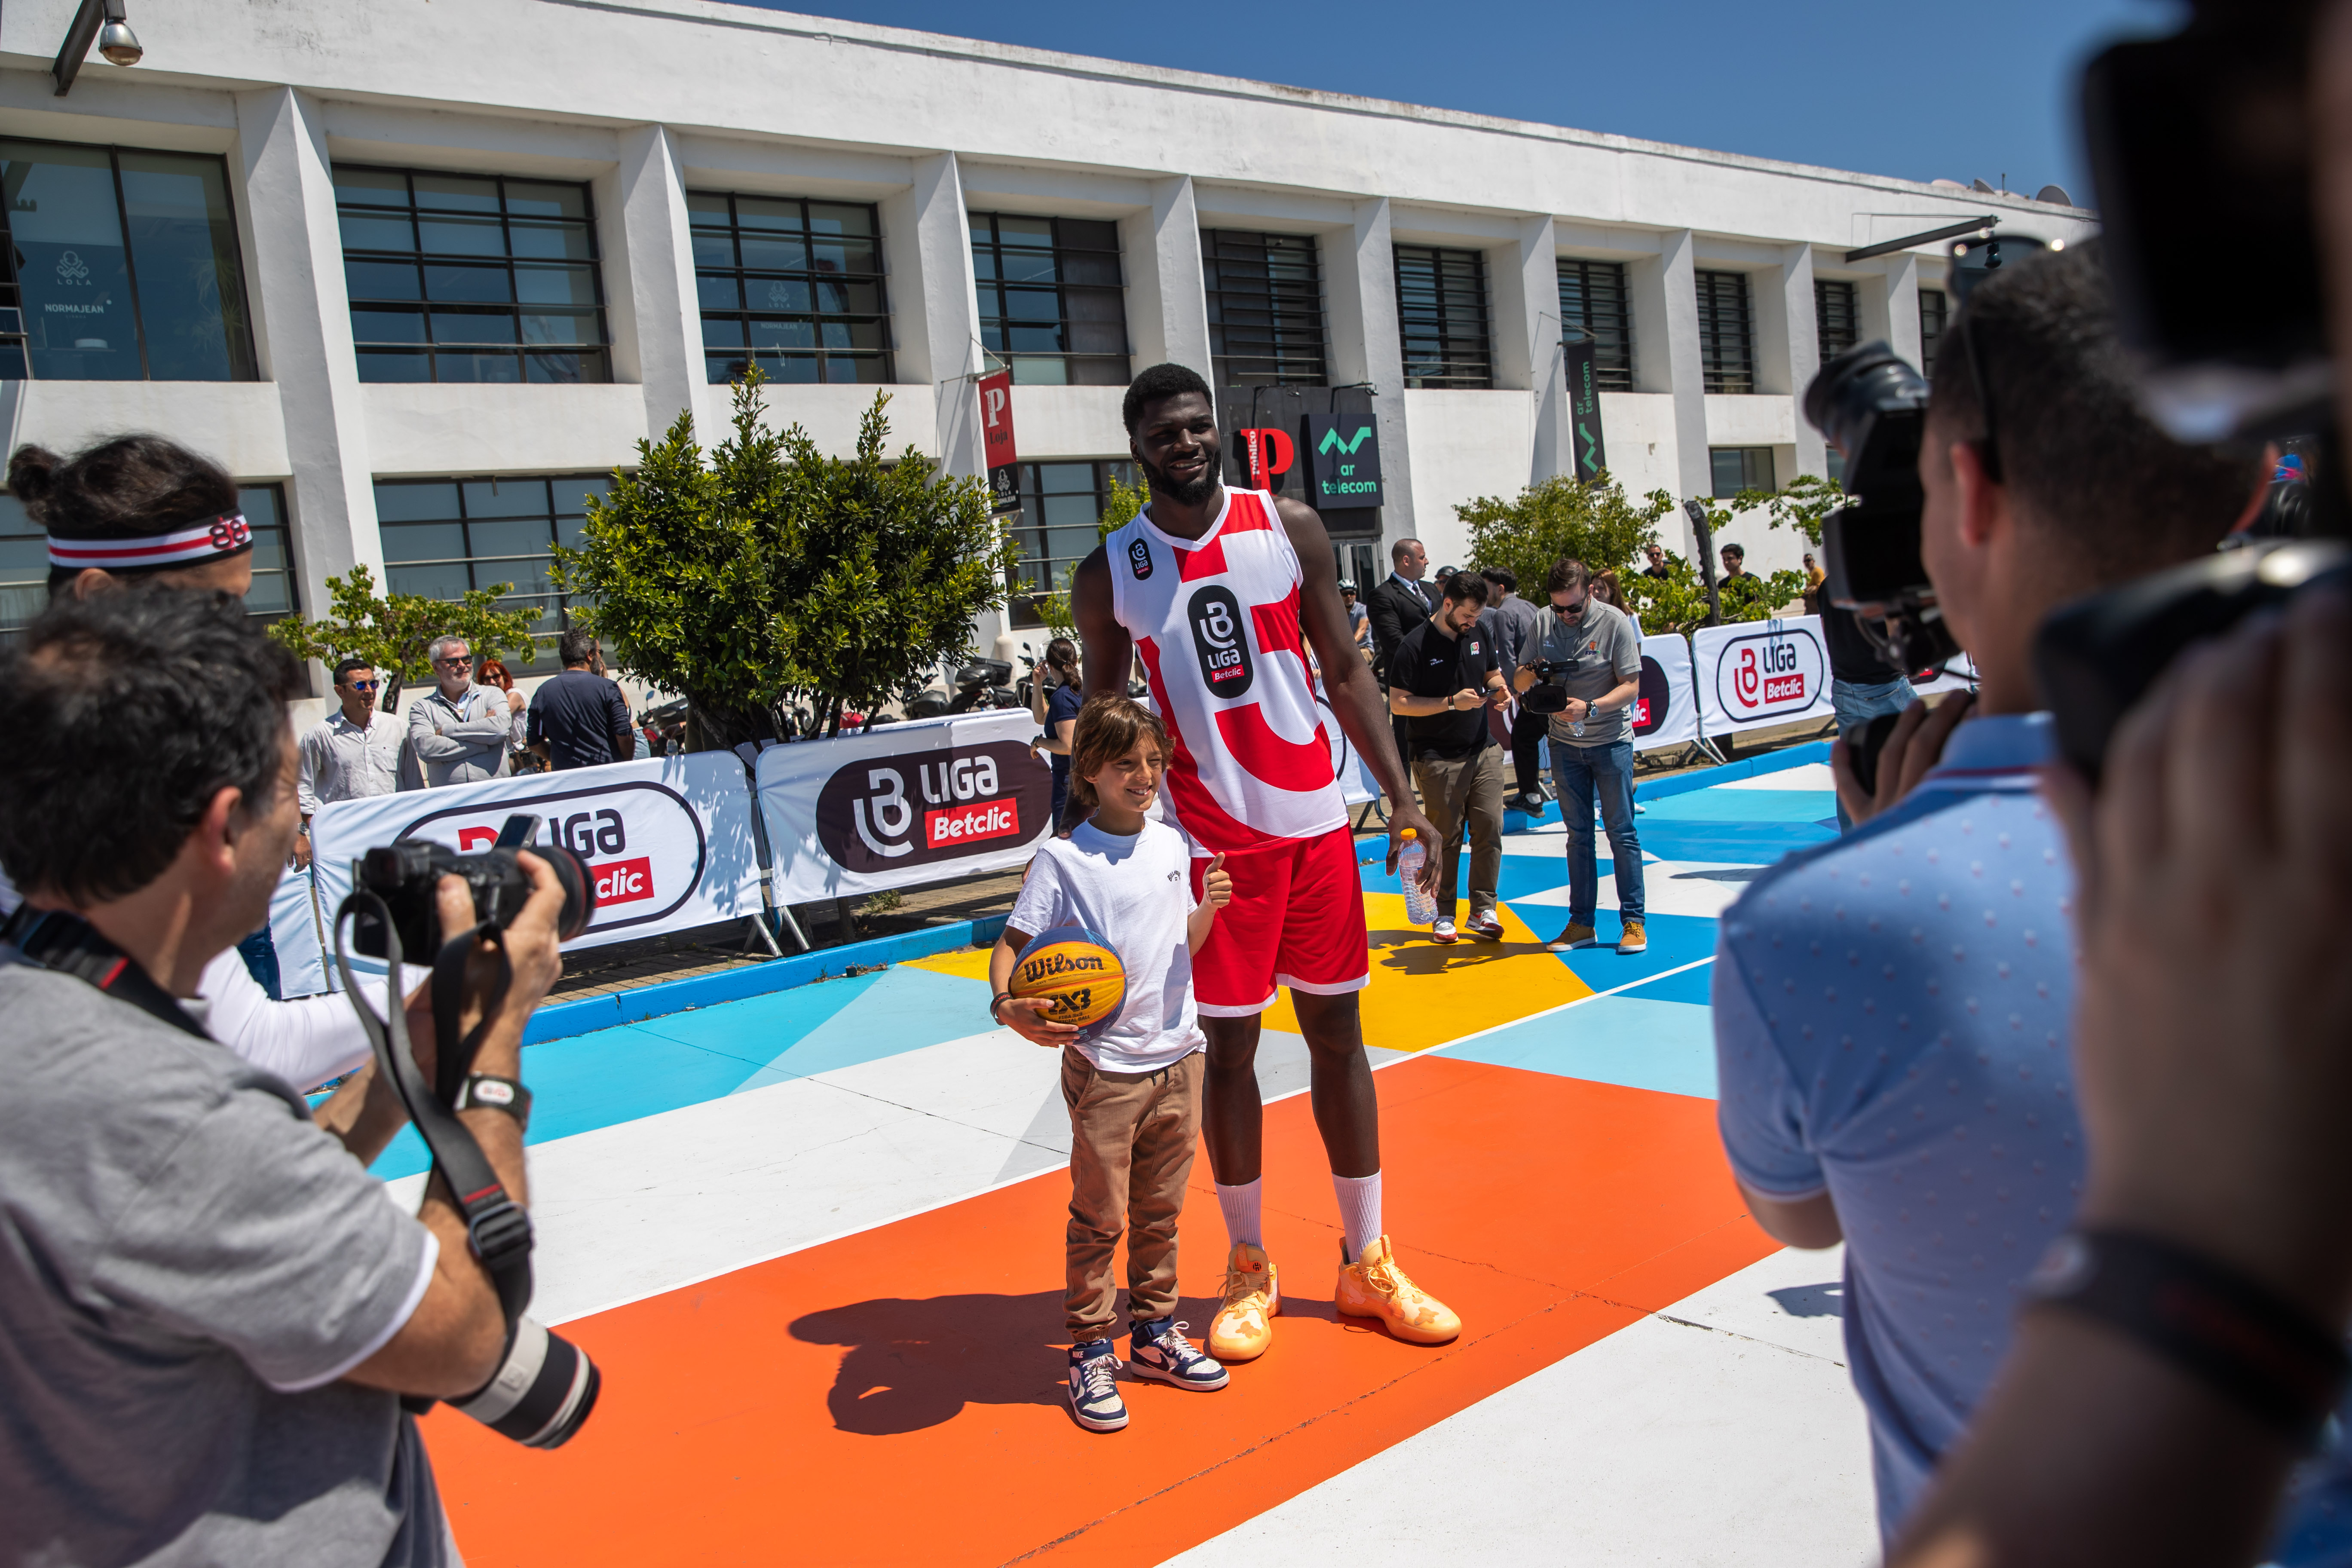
1132, 1140
1454, 801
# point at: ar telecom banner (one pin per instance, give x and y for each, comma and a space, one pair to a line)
1586, 447
1664, 714
907, 803
1759, 673
1344, 457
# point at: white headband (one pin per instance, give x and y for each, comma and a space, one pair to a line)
224, 535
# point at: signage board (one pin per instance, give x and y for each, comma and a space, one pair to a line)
1585, 445
1664, 712
998, 450
1344, 453
1760, 672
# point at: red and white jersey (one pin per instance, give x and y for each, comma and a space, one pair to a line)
1215, 620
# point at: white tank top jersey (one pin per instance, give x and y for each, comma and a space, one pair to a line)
1215, 620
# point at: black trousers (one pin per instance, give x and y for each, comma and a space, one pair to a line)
1527, 731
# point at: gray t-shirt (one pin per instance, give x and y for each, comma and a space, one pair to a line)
1607, 653
188, 1266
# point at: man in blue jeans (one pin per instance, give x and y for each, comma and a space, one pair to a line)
1592, 649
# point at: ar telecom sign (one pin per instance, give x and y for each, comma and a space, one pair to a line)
1584, 409
1344, 457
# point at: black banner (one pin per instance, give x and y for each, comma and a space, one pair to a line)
1588, 453
1314, 444
1344, 449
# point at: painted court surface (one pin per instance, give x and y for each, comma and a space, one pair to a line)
813, 1240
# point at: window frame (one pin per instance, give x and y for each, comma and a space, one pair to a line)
1292, 320
1748, 458
18, 528
1459, 361
1029, 483
1933, 325
1612, 337
483, 570
522, 352
245, 363
823, 355
1834, 298
1076, 367
1727, 349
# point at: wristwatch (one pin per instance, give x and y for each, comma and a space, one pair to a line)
484, 1092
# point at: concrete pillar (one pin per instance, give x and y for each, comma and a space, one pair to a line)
1167, 299
303, 331
934, 305
1672, 305
1360, 300
1890, 305
664, 342
1789, 344
1526, 338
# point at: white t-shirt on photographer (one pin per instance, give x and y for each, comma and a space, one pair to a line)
1136, 895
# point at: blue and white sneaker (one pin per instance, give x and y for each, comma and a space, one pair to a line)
1158, 1350
1095, 1403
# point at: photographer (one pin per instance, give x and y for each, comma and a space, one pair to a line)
1892, 1010
215, 1308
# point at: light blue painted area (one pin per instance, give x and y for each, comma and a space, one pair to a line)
897, 1010
1732, 843
1807, 805
1691, 985
1663, 1045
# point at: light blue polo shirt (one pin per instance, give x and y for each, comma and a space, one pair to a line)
1891, 1018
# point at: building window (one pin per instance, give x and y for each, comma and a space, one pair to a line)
1265, 308
793, 287
1441, 314
1727, 342
25, 560
123, 266
1935, 310
1837, 316
1592, 304
443, 537
471, 276
1052, 300
1061, 513
1739, 468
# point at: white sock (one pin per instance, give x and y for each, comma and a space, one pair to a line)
1240, 1206
1360, 1210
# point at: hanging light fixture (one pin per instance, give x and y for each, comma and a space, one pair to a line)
100, 22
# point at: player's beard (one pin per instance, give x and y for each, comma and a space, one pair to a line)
1193, 494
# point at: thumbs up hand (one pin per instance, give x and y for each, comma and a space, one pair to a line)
1217, 884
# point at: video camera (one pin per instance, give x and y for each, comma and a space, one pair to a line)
1548, 696
544, 1387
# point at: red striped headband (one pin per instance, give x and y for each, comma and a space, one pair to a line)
216, 536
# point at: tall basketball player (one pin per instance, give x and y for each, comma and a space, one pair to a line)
1212, 587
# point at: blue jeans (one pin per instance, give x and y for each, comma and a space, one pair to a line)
1580, 772
1856, 704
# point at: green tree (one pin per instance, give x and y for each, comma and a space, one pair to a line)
1597, 523
769, 572
392, 632
1117, 511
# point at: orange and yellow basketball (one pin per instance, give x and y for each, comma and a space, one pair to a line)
1078, 970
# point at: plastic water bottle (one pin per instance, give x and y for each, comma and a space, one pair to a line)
1419, 907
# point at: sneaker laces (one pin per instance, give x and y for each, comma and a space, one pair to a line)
1098, 1377
1389, 1279
1243, 1291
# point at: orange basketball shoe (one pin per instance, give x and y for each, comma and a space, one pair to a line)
1374, 1286
1244, 1326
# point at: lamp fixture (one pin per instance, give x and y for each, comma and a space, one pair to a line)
100, 22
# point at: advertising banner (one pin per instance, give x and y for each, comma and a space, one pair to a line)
1958, 674
1759, 673
905, 805
1356, 786
997, 446
668, 841
1345, 450
1665, 713
298, 930
1584, 409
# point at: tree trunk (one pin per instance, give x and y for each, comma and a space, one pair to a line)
390, 701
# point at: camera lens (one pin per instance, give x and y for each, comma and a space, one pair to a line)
579, 888
543, 1391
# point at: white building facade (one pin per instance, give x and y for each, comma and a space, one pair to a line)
423, 273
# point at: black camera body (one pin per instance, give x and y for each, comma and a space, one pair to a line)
1548, 696
1872, 406
406, 875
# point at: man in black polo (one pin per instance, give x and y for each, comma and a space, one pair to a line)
578, 720
1443, 677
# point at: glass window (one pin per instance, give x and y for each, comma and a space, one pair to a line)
1837, 316
794, 286
443, 537
1739, 468
1935, 310
1727, 340
470, 278
25, 560
1265, 308
1061, 508
123, 266
1442, 313
1052, 298
1593, 303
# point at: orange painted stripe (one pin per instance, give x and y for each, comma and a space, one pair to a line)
895, 1396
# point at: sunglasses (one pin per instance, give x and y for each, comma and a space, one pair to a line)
457, 660
364, 685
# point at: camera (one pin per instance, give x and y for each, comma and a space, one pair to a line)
1872, 406
404, 875
1548, 696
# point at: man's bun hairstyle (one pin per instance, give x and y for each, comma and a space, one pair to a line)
1158, 385
126, 486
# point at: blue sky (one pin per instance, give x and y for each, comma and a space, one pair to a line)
1962, 89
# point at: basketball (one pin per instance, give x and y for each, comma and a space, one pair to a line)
1077, 971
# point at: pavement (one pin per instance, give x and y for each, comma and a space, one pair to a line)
812, 1239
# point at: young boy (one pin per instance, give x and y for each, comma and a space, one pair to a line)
1134, 1091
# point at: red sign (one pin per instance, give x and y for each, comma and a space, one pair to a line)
963, 824
624, 881
996, 419
1271, 453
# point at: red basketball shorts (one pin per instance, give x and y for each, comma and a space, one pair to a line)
1296, 920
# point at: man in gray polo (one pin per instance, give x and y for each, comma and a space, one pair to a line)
460, 731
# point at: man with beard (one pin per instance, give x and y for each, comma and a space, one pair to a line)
1212, 588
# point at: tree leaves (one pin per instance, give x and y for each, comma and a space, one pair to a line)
392, 632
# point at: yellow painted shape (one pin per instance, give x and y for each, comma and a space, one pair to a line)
1424, 993
964, 963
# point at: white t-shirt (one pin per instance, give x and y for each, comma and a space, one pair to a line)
1136, 894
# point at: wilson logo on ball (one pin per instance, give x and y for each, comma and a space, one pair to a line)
1076, 974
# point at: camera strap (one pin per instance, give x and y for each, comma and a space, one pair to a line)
497, 1226
68, 944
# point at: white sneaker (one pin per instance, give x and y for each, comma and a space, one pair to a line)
1444, 931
